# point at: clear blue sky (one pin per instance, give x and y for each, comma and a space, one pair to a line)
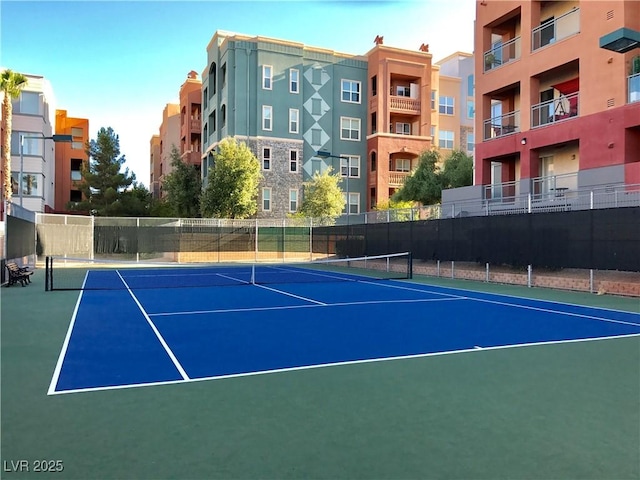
118, 63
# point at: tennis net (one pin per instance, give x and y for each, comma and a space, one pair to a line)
63, 273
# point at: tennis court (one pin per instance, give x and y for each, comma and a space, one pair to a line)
149, 326
377, 378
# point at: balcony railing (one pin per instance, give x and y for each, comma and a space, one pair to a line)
502, 54
196, 125
554, 186
634, 88
404, 104
556, 30
500, 126
396, 179
556, 110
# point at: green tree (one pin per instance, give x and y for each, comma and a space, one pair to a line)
104, 183
323, 198
458, 170
232, 187
11, 84
183, 187
424, 185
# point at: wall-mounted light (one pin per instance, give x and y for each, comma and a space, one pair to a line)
524, 141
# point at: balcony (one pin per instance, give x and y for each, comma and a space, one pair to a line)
633, 82
396, 179
554, 186
404, 104
500, 126
556, 110
502, 54
557, 29
196, 124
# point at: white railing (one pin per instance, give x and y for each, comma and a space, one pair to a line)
558, 29
633, 82
503, 125
556, 110
502, 54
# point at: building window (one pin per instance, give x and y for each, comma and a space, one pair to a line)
403, 128
294, 80
267, 74
352, 202
350, 91
470, 142
374, 86
349, 128
294, 116
223, 116
374, 161
433, 132
470, 86
30, 146
28, 103
374, 122
434, 94
266, 158
77, 145
445, 139
293, 160
205, 98
223, 76
403, 165
471, 109
31, 184
293, 200
75, 196
403, 91
446, 105
266, 199
76, 169
76, 132
267, 115
350, 165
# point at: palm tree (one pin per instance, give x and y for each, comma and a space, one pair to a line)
11, 83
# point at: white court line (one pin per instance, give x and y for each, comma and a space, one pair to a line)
155, 330
540, 309
289, 307
65, 344
290, 294
474, 349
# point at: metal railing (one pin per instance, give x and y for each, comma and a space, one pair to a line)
558, 29
502, 54
503, 125
556, 110
633, 82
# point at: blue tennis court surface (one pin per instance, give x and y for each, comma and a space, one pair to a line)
132, 337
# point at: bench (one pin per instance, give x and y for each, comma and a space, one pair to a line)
18, 274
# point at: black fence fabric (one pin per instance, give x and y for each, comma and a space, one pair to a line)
20, 237
607, 239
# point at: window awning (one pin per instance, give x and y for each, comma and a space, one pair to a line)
568, 87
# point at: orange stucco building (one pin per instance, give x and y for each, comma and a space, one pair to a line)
399, 123
70, 158
190, 120
554, 110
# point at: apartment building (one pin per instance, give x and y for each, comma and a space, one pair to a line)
190, 120
69, 159
555, 112
32, 173
154, 166
456, 103
287, 101
169, 137
399, 117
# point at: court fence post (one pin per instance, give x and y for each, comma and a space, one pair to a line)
529, 273
311, 239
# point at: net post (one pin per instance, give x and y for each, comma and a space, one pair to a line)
410, 266
253, 274
46, 273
